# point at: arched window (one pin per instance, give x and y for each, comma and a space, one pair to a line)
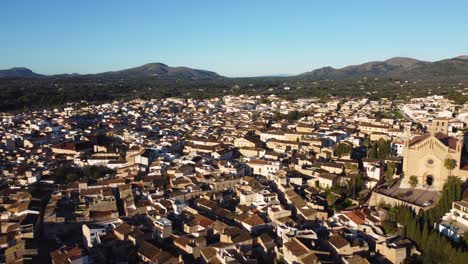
429, 180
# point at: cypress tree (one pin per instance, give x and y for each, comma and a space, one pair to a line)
417, 233
373, 151
412, 232
424, 235
419, 227
458, 190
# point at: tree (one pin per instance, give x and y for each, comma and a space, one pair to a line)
425, 234
389, 227
331, 198
389, 172
450, 164
343, 149
67, 174
356, 185
373, 151
367, 142
132, 256
383, 148
435, 248
413, 181
465, 237
351, 166
380, 149
388, 179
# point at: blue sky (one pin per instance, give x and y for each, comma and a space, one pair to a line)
233, 38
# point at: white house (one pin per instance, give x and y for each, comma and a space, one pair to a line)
92, 234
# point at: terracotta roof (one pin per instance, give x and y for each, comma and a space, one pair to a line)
182, 240
338, 241
136, 233
124, 229
208, 253
65, 255
257, 161
92, 191
448, 141
296, 247
310, 259
418, 139
355, 216
149, 250
356, 259
267, 241
202, 221
253, 220
237, 235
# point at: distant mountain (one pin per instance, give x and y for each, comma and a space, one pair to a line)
279, 75
66, 75
162, 70
18, 72
398, 68
144, 71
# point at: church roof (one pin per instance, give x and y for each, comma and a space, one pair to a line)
448, 141
418, 139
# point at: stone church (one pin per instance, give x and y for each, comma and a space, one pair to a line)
424, 157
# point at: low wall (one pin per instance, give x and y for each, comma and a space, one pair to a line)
378, 198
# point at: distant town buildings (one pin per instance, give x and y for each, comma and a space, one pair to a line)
238, 179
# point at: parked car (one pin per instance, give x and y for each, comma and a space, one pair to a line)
427, 203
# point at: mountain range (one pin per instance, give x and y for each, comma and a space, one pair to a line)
398, 68
144, 71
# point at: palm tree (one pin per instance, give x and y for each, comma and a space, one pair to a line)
388, 179
413, 181
450, 164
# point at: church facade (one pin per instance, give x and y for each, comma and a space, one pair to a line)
424, 157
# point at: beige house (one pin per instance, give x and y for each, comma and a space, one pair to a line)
396, 250
305, 128
247, 141
277, 211
283, 145
372, 128
190, 244
340, 245
295, 251
251, 152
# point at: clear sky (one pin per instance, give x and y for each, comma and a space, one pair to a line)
233, 38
